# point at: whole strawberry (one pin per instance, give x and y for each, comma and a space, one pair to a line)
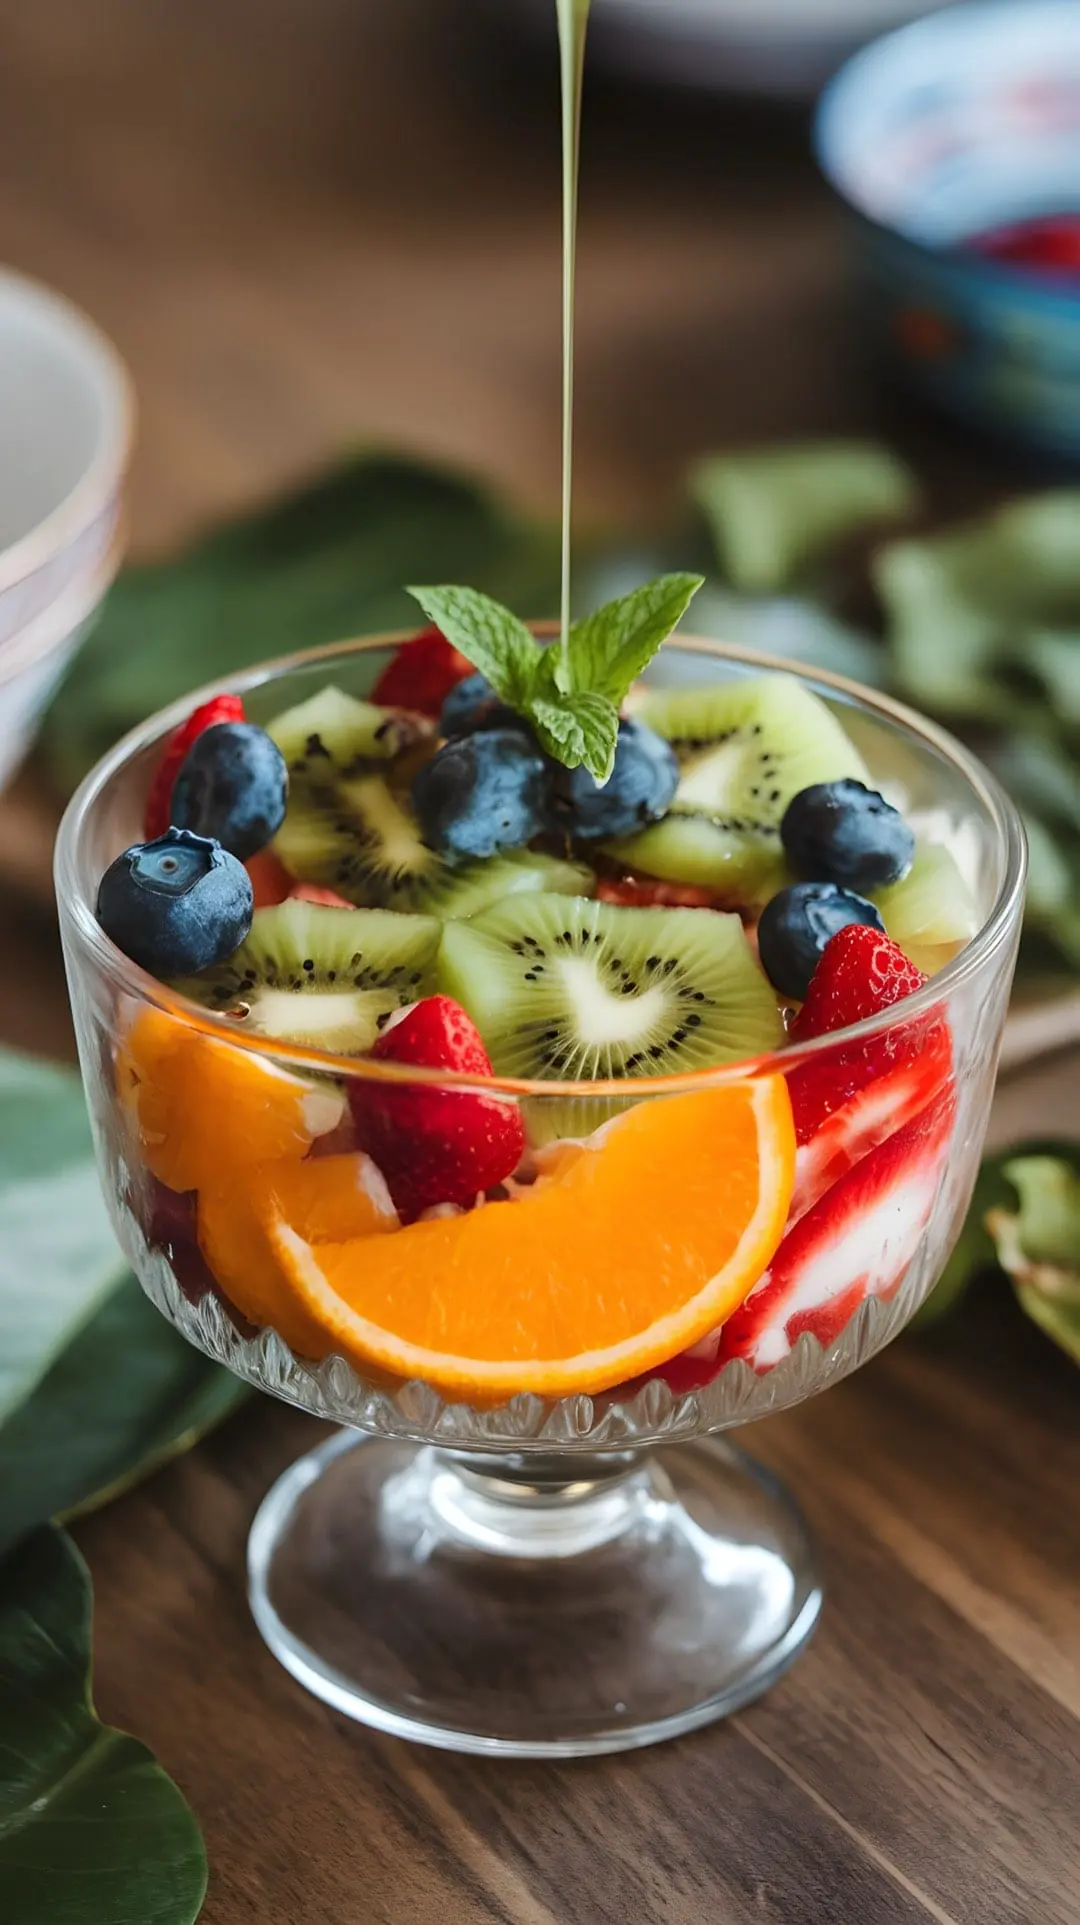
436, 1146
222, 708
421, 674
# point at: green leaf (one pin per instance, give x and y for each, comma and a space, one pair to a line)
578, 729
126, 1395
607, 651
965, 608
92, 1832
59, 1259
1038, 1240
493, 639
329, 560
944, 642
796, 630
775, 512
1055, 659
96, 1388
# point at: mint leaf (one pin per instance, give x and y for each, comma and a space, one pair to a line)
606, 652
578, 729
493, 639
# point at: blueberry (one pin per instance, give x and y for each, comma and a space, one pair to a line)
844, 832
796, 925
176, 905
481, 794
233, 785
637, 792
472, 705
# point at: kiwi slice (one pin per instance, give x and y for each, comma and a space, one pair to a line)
363, 840
571, 990
931, 912
744, 749
333, 736
329, 978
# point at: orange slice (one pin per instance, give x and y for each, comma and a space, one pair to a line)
201, 1108
325, 1199
626, 1254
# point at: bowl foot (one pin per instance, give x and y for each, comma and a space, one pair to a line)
492, 1605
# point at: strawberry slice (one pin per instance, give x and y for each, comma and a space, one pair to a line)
867, 1117
853, 1097
421, 674
270, 880
223, 708
158, 801
436, 1146
643, 892
314, 892
857, 1242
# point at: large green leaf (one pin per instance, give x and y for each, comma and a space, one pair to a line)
1038, 1239
1025, 1219
329, 561
126, 1395
92, 1832
96, 1388
970, 610
775, 513
59, 1259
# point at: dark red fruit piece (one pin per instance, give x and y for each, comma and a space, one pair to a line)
314, 892
169, 1227
223, 708
644, 892
421, 674
857, 1242
436, 1146
270, 880
861, 973
856, 1096
868, 1116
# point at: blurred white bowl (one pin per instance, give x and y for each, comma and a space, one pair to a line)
66, 419
788, 48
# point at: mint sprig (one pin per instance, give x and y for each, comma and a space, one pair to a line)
569, 691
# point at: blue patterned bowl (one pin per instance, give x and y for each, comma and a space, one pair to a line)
963, 123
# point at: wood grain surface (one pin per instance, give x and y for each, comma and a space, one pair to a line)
308, 226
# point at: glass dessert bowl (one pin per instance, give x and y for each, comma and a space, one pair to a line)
529, 1536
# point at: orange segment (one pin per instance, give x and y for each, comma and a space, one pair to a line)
201, 1108
325, 1199
628, 1253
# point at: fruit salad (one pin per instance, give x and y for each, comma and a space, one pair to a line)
476, 1057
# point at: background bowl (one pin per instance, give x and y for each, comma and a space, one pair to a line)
65, 429
950, 128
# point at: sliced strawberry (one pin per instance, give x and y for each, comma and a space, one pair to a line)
223, 708
313, 892
867, 1117
270, 880
644, 892
422, 674
857, 1242
436, 1146
861, 973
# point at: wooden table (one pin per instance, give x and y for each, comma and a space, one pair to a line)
306, 226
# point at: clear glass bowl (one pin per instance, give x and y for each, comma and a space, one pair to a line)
553, 1578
